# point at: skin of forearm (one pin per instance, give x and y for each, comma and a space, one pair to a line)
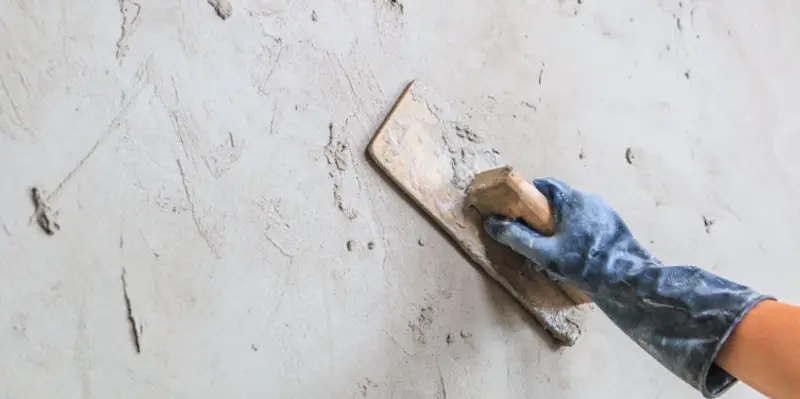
763, 350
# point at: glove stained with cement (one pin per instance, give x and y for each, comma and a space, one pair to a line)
681, 315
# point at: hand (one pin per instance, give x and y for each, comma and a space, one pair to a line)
588, 234
681, 315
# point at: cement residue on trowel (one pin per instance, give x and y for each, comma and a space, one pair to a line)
469, 162
464, 132
462, 145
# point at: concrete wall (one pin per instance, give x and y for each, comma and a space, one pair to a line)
186, 157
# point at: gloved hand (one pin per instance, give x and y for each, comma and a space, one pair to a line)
681, 315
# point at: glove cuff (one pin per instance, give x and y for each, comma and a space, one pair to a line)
714, 380
682, 316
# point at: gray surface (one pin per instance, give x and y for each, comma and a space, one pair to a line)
192, 153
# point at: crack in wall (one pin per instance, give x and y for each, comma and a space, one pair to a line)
136, 328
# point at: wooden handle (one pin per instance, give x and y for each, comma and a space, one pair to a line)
503, 191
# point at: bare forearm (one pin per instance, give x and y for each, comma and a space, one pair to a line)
764, 350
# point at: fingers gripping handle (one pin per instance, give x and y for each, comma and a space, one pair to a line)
504, 192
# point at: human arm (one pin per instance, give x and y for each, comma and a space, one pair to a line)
763, 351
681, 315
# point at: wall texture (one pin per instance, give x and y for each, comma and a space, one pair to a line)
208, 174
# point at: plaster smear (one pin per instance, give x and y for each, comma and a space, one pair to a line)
468, 162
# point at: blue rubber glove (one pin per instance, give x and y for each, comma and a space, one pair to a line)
681, 315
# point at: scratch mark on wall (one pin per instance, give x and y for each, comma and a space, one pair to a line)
277, 246
176, 127
529, 105
136, 328
18, 120
82, 358
356, 174
265, 81
372, 83
397, 343
220, 159
116, 122
193, 210
272, 121
350, 84
442, 394
271, 206
150, 246
23, 82
127, 26
541, 72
